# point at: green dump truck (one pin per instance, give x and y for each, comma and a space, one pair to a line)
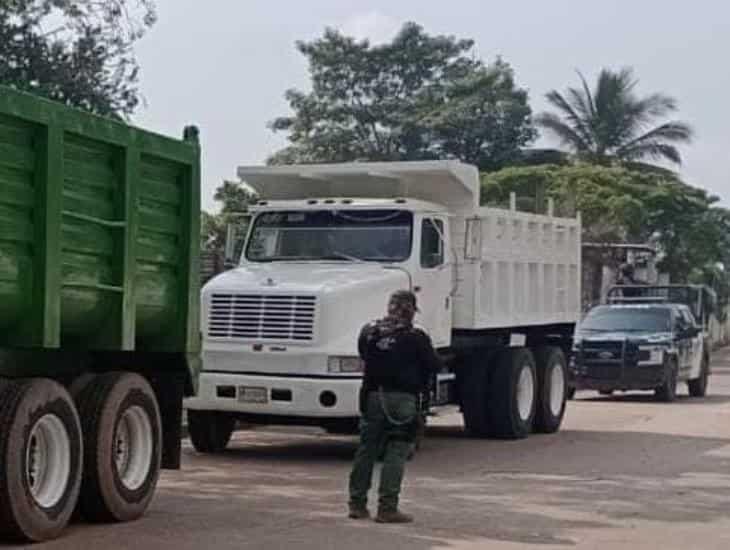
99, 239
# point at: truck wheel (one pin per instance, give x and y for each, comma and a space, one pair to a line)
511, 402
551, 396
698, 386
210, 431
474, 389
667, 392
123, 434
41, 456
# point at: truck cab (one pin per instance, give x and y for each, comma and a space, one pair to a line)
264, 318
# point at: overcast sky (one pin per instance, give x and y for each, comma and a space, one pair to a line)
225, 64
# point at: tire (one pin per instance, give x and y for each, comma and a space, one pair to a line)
552, 376
698, 386
122, 429
512, 398
210, 432
667, 392
474, 389
41, 460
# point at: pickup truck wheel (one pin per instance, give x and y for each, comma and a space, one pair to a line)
210, 432
41, 456
552, 390
123, 446
667, 392
474, 388
698, 386
511, 402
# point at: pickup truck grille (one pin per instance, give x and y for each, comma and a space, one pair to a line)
603, 351
607, 360
602, 360
272, 317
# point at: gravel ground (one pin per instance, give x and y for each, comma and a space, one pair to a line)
624, 472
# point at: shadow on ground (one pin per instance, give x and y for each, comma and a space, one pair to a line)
648, 398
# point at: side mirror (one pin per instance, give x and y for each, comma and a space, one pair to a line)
235, 237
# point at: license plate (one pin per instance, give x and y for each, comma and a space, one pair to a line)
247, 394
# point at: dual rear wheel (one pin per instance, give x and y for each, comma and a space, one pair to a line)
523, 392
96, 449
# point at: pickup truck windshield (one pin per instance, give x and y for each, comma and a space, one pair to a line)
341, 235
628, 319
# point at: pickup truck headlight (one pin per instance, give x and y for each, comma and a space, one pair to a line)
652, 354
339, 365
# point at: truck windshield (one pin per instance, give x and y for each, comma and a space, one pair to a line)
343, 235
628, 319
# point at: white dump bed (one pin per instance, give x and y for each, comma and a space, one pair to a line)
516, 269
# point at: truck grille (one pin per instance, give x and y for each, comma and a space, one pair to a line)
262, 317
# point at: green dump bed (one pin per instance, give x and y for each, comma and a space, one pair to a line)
99, 232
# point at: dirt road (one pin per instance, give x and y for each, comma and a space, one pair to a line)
624, 472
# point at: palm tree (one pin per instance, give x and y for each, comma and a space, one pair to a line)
612, 123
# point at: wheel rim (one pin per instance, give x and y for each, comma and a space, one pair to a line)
48, 460
557, 389
525, 393
133, 447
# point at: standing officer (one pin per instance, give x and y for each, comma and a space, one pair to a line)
399, 361
627, 277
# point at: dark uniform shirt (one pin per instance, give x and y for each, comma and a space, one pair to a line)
397, 358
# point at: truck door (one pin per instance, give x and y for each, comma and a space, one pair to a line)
433, 280
684, 344
695, 345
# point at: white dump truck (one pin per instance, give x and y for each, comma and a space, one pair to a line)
498, 292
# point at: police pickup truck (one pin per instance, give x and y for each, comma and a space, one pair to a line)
644, 338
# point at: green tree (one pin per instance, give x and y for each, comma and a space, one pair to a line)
612, 122
417, 97
78, 52
234, 199
483, 118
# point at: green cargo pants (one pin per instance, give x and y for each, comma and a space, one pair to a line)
376, 431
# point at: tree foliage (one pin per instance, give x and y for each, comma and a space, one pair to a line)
612, 122
78, 52
234, 200
417, 97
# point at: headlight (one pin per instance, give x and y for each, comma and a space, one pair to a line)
344, 364
652, 354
